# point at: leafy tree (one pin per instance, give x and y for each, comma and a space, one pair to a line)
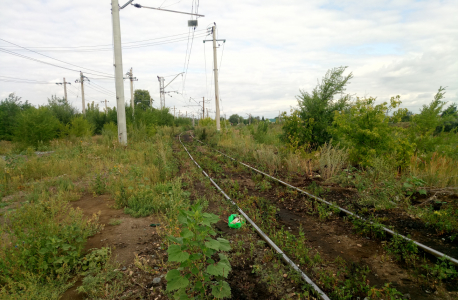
142, 98
10, 109
365, 130
424, 125
451, 113
235, 118
95, 117
62, 109
407, 117
35, 126
317, 108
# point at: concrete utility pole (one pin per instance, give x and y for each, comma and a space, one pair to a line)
215, 69
64, 83
161, 91
81, 80
132, 79
207, 112
203, 108
174, 111
122, 130
106, 106
151, 102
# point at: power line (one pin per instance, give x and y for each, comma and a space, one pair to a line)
55, 58
43, 62
5, 78
106, 48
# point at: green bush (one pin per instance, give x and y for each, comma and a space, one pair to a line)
80, 127
365, 130
62, 109
316, 110
36, 126
10, 110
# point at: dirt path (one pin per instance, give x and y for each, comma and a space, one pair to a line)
132, 236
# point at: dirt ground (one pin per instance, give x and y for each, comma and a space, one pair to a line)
133, 236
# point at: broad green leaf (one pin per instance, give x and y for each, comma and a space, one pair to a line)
223, 259
194, 270
422, 192
183, 219
224, 244
176, 240
195, 256
210, 261
213, 244
175, 281
181, 295
186, 233
219, 269
407, 185
212, 218
221, 290
175, 253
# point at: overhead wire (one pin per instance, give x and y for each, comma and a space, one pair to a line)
59, 48
47, 63
103, 73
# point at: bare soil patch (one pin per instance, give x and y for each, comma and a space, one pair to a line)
133, 236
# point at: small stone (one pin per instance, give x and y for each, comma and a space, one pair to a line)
156, 268
359, 245
152, 255
284, 275
157, 280
406, 296
124, 268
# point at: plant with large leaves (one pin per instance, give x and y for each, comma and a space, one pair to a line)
202, 269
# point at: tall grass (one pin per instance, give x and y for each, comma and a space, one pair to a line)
332, 160
438, 171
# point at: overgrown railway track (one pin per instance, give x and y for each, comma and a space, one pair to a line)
425, 248
315, 287
321, 239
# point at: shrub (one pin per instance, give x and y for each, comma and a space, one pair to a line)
36, 126
316, 109
365, 130
61, 109
10, 110
80, 127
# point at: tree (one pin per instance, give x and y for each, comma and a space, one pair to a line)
142, 98
35, 126
10, 109
62, 109
317, 108
365, 130
235, 118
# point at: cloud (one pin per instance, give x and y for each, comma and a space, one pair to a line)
272, 50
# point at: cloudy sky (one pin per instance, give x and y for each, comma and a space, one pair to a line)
272, 49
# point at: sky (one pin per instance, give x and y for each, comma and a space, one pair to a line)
273, 50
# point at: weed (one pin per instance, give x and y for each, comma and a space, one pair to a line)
194, 250
114, 222
402, 250
99, 187
444, 269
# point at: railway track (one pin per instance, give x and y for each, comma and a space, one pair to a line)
287, 260
344, 249
425, 248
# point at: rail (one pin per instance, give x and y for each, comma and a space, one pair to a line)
387, 230
320, 293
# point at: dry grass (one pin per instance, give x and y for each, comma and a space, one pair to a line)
332, 160
439, 171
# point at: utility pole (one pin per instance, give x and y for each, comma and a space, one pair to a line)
122, 130
81, 80
106, 107
151, 102
132, 79
64, 83
162, 88
174, 111
215, 69
203, 108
